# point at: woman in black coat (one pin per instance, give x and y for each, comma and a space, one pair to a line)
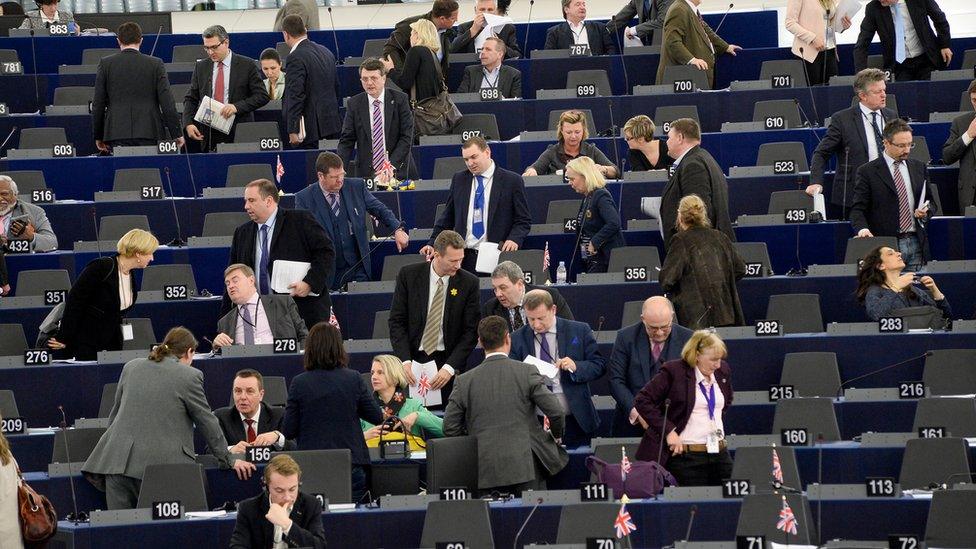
420, 69
99, 299
598, 220
645, 152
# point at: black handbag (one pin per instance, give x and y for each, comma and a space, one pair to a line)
435, 115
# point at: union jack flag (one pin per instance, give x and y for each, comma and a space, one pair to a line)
777, 468
624, 464
279, 170
623, 524
787, 521
545, 257
423, 385
334, 321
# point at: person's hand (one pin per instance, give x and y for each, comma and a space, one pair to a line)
266, 439
478, 25
630, 33
634, 416
244, 469
530, 172
441, 379
566, 363
374, 432
401, 238
27, 232
239, 448
972, 129
409, 421
905, 280
674, 442
814, 188
383, 177
194, 132
932, 288
700, 64
228, 110
278, 515
300, 288
509, 246
294, 139
408, 372
946, 55
864, 233
180, 142
102, 146
51, 343
222, 340
818, 44
732, 49
846, 23
590, 248
920, 213
4, 290
428, 252
387, 63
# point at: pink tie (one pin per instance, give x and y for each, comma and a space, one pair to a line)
656, 351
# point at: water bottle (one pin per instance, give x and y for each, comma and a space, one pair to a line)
561, 273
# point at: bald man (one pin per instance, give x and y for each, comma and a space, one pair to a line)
637, 354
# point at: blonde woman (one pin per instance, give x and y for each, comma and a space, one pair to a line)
421, 69
389, 382
807, 21
646, 153
571, 134
9, 514
598, 220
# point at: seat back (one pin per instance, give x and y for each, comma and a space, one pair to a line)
784, 151
156, 277
373, 47
38, 281
561, 210
755, 464
41, 138
27, 180
254, 132
920, 150
950, 372
452, 462
755, 252
816, 415
9, 56
446, 166
632, 313
811, 374
326, 472
950, 520
223, 223
957, 415
188, 53
797, 313
107, 400
531, 262
393, 263
112, 227
239, 175
275, 390
134, 179
183, 482
179, 92
782, 67
8, 404
464, 521
757, 517
76, 443
781, 201
580, 521
777, 113
665, 115
73, 95
554, 120
143, 335
92, 56
13, 342
485, 124
929, 461
675, 73
631, 257
857, 248
596, 77
381, 325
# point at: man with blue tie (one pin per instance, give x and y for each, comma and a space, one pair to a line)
911, 51
571, 347
340, 206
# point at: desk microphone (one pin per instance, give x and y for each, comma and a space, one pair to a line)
37, 89
613, 140
579, 236
799, 270
810, 90
708, 309
538, 502
723, 17
664, 438
73, 517
98, 242
3, 146
335, 39
178, 241
820, 441
528, 27
879, 370
620, 50
847, 167
156, 41
599, 323
368, 253
691, 520
944, 485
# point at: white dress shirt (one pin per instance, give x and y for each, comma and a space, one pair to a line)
913, 45
259, 320
579, 32
430, 299
489, 79
125, 290
903, 168
873, 151
469, 240
699, 425
279, 444
300, 40
555, 384
257, 248
213, 77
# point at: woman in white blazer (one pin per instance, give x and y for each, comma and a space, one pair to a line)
808, 21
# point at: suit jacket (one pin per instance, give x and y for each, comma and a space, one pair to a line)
283, 317
92, 320
631, 366
493, 308
464, 43
955, 150
509, 80
805, 21
44, 238
245, 90
156, 406
398, 44
676, 381
357, 202
296, 237
601, 222
847, 138
311, 92
496, 403
647, 22
34, 20
560, 37
408, 314
879, 20
876, 200
132, 99
697, 173
357, 132
508, 210
253, 531
324, 409
686, 37
308, 10
233, 428
575, 340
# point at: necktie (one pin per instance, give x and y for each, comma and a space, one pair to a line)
432, 330
379, 153
478, 223
904, 210
544, 352
900, 53
877, 131
517, 321
248, 325
656, 351
333, 199
219, 83
251, 435
265, 283
647, 9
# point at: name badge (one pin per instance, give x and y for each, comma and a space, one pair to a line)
711, 443
127, 333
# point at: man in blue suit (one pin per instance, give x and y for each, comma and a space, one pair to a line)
309, 104
569, 345
340, 205
637, 355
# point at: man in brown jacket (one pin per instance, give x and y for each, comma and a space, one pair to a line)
688, 40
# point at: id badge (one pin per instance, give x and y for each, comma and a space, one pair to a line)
127, 334
711, 443
478, 216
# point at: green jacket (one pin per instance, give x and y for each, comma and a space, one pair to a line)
431, 424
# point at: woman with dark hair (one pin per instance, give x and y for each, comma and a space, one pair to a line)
326, 402
882, 287
49, 13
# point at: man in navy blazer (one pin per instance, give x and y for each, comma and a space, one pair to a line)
564, 35
569, 345
345, 223
309, 102
498, 213
638, 353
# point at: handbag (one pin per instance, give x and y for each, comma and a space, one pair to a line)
435, 115
38, 519
646, 478
921, 317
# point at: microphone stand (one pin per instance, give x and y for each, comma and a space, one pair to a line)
664, 438
528, 27
76, 517
365, 256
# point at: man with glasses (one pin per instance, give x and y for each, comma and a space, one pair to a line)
228, 78
20, 220
638, 353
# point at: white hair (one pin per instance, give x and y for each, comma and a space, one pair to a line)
11, 182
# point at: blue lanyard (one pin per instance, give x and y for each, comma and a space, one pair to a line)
709, 398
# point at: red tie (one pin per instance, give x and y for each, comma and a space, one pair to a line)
219, 85
251, 435
656, 351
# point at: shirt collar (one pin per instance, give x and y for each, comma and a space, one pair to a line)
300, 40
889, 160
256, 418
434, 276
379, 98
551, 330
678, 160
497, 353
576, 28
271, 220
226, 61
253, 300
699, 377
487, 174
867, 112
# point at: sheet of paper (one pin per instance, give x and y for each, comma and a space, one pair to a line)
775, 545
632, 41
209, 113
488, 254
846, 8
205, 514
547, 369
424, 373
285, 272
819, 205
651, 207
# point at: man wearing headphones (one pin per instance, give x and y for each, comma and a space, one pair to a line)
295, 517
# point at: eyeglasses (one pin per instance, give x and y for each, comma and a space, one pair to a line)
215, 46
664, 328
902, 145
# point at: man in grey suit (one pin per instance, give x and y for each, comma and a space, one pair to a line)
959, 148
264, 318
20, 220
650, 18
491, 73
158, 401
496, 403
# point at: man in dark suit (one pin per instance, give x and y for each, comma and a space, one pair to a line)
289, 235
650, 18
309, 106
688, 40
491, 73
910, 49
434, 314
378, 126
263, 319
854, 135
281, 513
496, 403
508, 281
890, 197
638, 353
571, 347
228, 78
444, 15
577, 30
471, 36
132, 104
959, 148
694, 171
251, 422
340, 206
486, 204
